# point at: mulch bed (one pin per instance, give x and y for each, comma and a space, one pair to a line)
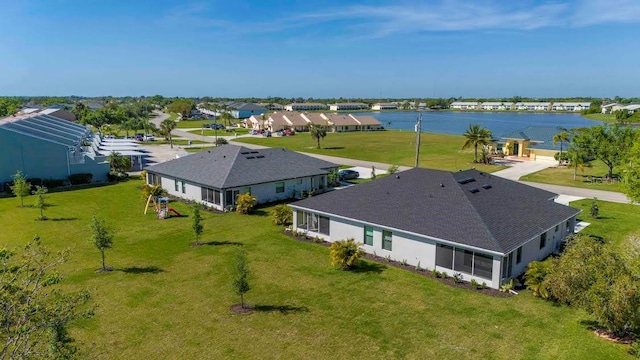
424, 272
626, 340
239, 309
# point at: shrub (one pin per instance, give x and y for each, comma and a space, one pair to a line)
245, 203
282, 215
317, 240
113, 176
457, 277
535, 276
435, 273
392, 169
484, 285
34, 182
594, 211
404, 262
221, 141
474, 284
388, 257
508, 286
52, 183
82, 178
344, 254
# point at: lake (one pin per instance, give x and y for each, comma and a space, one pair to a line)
500, 123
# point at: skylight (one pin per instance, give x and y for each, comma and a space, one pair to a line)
466, 180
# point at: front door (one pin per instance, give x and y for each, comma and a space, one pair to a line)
507, 263
516, 149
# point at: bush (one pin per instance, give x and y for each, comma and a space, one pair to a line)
114, 176
52, 183
474, 284
344, 254
457, 277
535, 276
155, 190
221, 141
82, 178
245, 203
282, 215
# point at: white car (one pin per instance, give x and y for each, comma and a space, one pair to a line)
149, 138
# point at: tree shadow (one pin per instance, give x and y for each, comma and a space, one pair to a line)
259, 212
283, 309
590, 324
334, 148
141, 270
368, 267
221, 243
63, 219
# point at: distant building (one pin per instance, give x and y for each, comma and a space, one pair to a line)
348, 106
47, 147
533, 106
59, 113
465, 105
245, 110
271, 106
502, 106
384, 106
306, 107
610, 108
570, 106
631, 108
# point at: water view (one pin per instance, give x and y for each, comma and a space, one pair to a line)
500, 123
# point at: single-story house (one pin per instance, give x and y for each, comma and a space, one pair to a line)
610, 108
631, 108
384, 106
535, 142
465, 105
533, 106
216, 177
348, 106
481, 226
497, 105
47, 147
305, 107
570, 106
246, 110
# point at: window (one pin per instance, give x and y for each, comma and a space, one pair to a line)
301, 219
210, 195
387, 236
153, 179
463, 261
543, 240
176, 184
299, 181
324, 225
483, 266
368, 235
279, 187
246, 190
184, 187
557, 227
444, 256
519, 255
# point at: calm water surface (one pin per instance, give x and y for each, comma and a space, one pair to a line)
500, 123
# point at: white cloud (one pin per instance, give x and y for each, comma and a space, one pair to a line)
593, 12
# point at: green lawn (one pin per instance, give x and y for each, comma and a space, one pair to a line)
187, 124
615, 222
180, 142
169, 300
438, 151
209, 132
564, 176
601, 117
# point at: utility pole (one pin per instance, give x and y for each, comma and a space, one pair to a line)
418, 131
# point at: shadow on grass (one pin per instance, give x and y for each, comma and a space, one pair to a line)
368, 267
283, 309
141, 270
259, 212
334, 148
63, 219
221, 243
590, 324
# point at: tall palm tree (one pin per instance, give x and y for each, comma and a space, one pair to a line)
577, 160
561, 137
317, 132
476, 135
166, 126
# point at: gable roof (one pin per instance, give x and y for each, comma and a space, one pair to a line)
438, 204
341, 120
541, 135
366, 119
231, 166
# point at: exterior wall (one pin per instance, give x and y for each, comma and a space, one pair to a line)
264, 192
405, 247
541, 154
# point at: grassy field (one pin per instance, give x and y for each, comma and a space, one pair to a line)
438, 151
209, 132
169, 300
601, 117
190, 124
564, 176
615, 222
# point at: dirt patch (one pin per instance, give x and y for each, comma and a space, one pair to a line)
104, 270
239, 309
626, 339
414, 269
195, 244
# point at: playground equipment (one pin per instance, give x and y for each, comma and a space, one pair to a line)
160, 206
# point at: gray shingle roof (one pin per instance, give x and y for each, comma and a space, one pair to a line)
433, 203
231, 166
541, 135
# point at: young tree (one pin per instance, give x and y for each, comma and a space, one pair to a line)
561, 137
33, 313
631, 184
577, 160
344, 254
196, 224
476, 135
245, 203
101, 237
609, 144
166, 127
240, 282
40, 200
21, 187
594, 211
317, 132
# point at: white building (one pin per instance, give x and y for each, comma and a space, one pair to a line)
384, 106
348, 106
306, 107
533, 106
480, 226
502, 106
465, 105
610, 108
570, 106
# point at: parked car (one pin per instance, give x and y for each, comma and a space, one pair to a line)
289, 132
266, 133
139, 137
348, 174
253, 132
149, 137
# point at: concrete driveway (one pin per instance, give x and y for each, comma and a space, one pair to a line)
519, 168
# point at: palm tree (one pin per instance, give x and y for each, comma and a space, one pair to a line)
317, 132
561, 137
166, 126
577, 160
476, 135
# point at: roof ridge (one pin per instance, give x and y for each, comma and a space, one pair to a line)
238, 150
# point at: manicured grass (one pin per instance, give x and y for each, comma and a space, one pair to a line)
190, 124
169, 300
615, 221
438, 151
562, 175
601, 117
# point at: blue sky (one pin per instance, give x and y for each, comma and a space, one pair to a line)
374, 48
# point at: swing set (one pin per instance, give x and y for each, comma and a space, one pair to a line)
160, 206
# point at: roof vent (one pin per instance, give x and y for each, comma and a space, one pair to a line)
251, 157
474, 190
244, 152
397, 176
441, 185
260, 156
487, 186
466, 180
253, 152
